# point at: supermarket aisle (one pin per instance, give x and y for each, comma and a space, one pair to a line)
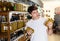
54, 37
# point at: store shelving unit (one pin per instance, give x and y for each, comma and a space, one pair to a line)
8, 15
6, 35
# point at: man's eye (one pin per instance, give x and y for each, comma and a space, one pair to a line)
33, 12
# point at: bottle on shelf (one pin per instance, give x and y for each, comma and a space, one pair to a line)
14, 7
4, 19
9, 6
4, 6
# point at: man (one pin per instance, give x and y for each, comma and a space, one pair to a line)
37, 23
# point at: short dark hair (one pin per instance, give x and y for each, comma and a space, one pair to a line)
31, 8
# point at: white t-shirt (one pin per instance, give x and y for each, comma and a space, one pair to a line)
40, 33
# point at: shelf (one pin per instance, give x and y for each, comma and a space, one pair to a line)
4, 13
19, 37
12, 21
17, 30
3, 35
6, 35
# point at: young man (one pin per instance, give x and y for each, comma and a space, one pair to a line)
37, 23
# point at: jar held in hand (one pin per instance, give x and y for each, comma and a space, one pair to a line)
29, 31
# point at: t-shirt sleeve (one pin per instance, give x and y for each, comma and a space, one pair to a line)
45, 19
28, 24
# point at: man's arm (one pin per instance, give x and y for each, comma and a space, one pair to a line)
49, 30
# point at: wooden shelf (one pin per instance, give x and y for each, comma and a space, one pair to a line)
19, 37
6, 35
17, 30
4, 13
3, 35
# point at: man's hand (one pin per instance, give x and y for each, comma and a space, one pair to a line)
50, 31
50, 24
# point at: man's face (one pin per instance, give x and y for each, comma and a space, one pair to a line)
35, 13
